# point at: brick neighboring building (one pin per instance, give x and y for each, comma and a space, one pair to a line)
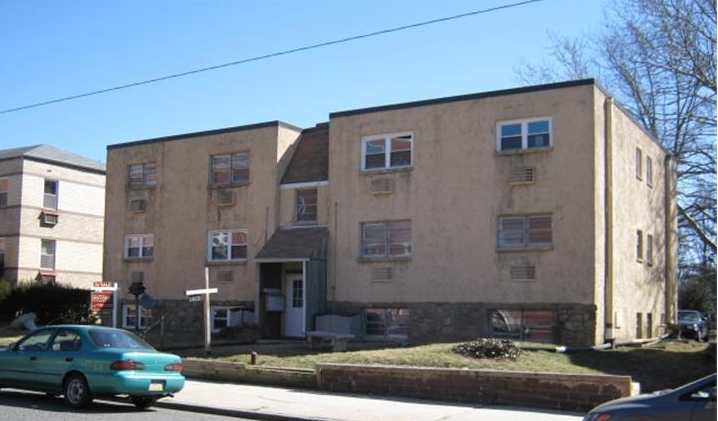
543, 213
52, 206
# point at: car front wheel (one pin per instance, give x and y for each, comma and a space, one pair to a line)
143, 401
76, 392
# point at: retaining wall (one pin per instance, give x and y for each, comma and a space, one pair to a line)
574, 392
542, 390
243, 373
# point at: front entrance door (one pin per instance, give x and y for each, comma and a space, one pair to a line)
294, 306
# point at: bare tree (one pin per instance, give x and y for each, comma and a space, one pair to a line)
659, 58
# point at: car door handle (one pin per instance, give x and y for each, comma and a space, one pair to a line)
33, 358
69, 359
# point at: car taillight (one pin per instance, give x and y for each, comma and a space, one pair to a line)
173, 367
127, 365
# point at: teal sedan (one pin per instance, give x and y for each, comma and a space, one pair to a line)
83, 362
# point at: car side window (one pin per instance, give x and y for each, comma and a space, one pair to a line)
705, 393
66, 340
37, 341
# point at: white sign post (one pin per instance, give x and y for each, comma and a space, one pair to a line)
206, 291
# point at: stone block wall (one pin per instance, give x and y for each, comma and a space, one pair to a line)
542, 390
182, 316
573, 324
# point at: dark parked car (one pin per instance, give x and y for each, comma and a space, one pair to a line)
692, 323
695, 401
82, 362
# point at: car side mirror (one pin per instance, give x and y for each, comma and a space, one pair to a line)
12, 346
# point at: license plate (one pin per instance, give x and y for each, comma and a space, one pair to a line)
156, 386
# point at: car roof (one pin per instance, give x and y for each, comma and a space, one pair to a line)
83, 327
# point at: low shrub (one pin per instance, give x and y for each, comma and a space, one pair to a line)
488, 348
53, 303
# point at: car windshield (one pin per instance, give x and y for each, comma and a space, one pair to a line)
104, 338
688, 316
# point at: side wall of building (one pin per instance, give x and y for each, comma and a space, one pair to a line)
77, 234
454, 192
185, 207
639, 231
11, 173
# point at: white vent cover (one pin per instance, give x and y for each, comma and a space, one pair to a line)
137, 277
382, 185
381, 274
138, 205
523, 272
225, 276
522, 175
225, 197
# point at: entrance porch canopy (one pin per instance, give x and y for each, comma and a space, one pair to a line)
295, 245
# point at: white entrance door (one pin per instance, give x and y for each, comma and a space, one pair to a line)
294, 306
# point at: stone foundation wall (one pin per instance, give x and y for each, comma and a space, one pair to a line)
182, 315
574, 324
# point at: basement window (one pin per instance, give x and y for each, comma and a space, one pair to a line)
522, 324
386, 322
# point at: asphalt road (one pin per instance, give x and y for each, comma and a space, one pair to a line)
19, 405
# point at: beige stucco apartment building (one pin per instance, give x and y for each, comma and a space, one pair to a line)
52, 208
543, 213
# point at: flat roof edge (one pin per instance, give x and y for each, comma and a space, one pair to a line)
467, 97
275, 123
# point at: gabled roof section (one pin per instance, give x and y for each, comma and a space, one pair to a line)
310, 161
294, 244
51, 155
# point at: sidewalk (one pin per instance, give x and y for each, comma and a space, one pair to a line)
279, 404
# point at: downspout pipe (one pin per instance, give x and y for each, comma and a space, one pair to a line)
608, 335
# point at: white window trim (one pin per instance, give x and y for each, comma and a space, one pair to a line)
142, 237
55, 197
526, 231
235, 316
524, 134
389, 323
387, 151
145, 183
639, 163
126, 312
649, 249
387, 243
213, 314
229, 233
301, 209
231, 181
54, 255
640, 246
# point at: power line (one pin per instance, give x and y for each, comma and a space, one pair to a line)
271, 55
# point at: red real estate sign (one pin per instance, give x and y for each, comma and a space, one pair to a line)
101, 301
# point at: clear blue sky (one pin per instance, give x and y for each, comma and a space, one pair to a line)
51, 49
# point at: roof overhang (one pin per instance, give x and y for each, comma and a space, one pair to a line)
300, 244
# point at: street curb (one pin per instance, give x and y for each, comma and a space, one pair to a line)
260, 416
